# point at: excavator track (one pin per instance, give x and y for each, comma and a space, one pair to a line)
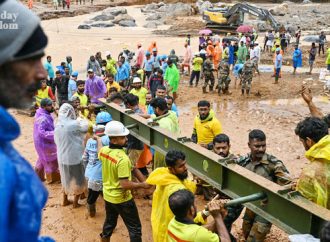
220, 29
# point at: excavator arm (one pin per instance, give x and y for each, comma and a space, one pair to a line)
261, 13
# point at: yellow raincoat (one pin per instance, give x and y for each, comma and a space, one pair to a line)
161, 214
314, 181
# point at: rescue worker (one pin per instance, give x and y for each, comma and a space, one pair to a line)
247, 75
255, 227
242, 53
172, 78
117, 185
314, 182
44, 92
207, 74
111, 64
197, 67
206, 125
182, 226
166, 119
139, 91
224, 79
168, 180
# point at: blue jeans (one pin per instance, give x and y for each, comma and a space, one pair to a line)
277, 72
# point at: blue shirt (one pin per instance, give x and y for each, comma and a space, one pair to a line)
128, 66
148, 64
49, 68
164, 67
122, 73
155, 62
150, 110
278, 61
22, 194
72, 88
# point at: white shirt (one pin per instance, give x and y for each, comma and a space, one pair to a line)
243, 39
252, 54
257, 51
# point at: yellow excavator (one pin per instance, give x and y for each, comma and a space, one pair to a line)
227, 19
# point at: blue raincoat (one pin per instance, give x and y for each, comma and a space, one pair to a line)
22, 194
231, 60
297, 58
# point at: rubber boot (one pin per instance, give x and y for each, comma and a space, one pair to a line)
40, 174
211, 88
105, 239
53, 177
219, 91
91, 209
248, 92
204, 90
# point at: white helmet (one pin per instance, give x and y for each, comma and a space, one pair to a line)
107, 53
136, 80
115, 129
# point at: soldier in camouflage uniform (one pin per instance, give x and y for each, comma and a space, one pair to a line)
224, 79
208, 68
255, 228
247, 73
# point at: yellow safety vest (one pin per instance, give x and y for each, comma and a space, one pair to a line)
41, 94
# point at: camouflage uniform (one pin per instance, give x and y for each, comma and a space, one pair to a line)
255, 228
224, 79
247, 74
208, 69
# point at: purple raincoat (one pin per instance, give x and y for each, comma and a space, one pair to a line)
95, 88
43, 135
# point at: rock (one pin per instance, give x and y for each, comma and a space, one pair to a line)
160, 4
103, 24
114, 11
162, 9
103, 17
312, 38
84, 26
151, 25
153, 17
306, 1
204, 6
280, 10
123, 17
262, 27
151, 6
127, 23
178, 9
315, 11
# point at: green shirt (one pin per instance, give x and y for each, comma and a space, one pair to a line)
115, 165
197, 63
178, 231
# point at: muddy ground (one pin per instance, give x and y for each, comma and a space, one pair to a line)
276, 112
276, 109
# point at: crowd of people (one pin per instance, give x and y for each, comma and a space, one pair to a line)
92, 155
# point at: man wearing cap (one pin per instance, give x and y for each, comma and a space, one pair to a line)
139, 91
117, 185
155, 80
72, 87
43, 137
93, 64
23, 195
94, 87
139, 55
197, 67
155, 60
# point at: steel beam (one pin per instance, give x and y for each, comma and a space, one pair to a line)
287, 210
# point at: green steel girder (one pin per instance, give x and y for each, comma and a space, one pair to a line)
287, 210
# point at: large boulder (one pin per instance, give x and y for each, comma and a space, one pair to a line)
127, 23
150, 7
151, 25
280, 10
103, 24
306, 1
114, 11
123, 17
153, 17
103, 17
84, 26
202, 6
178, 9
